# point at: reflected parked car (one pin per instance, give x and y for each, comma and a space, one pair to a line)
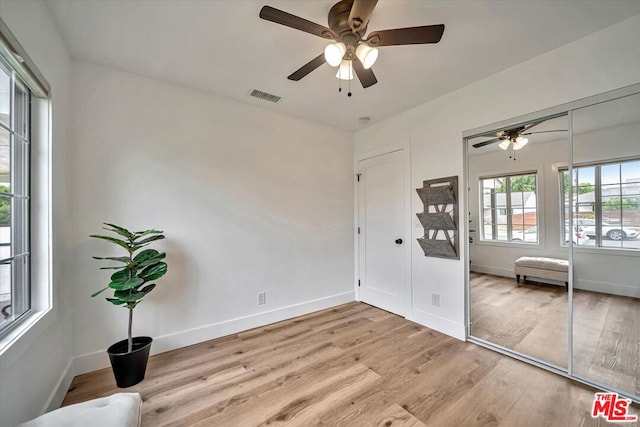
609, 231
530, 235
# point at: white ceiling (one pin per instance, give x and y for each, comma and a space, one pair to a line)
224, 48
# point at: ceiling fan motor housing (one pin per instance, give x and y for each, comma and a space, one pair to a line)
339, 23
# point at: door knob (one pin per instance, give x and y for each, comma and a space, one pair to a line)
398, 241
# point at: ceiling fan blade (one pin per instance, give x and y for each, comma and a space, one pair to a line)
545, 131
361, 11
484, 143
307, 68
366, 77
403, 36
526, 128
283, 18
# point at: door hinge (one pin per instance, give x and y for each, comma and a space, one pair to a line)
358, 282
358, 230
358, 176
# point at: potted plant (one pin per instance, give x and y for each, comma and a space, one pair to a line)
130, 284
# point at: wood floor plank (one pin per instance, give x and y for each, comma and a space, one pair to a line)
393, 415
354, 365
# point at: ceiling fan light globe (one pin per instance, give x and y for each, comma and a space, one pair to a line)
345, 72
367, 55
522, 141
334, 52
504, 144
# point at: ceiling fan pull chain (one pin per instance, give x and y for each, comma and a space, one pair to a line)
350, 75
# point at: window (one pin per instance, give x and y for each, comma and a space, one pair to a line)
510, 208
15, 103
606, 203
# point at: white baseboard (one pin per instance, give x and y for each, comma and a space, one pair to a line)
585, 285
505, 272
437, 323
60, 390
496, 271
98, 360
608, 288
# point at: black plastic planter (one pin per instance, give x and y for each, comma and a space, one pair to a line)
129, 368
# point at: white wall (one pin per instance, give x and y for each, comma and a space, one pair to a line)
603, 61
250, 200
35, 372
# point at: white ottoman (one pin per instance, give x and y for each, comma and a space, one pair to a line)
120, 409
542, 267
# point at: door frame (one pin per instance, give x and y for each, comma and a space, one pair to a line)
405, 147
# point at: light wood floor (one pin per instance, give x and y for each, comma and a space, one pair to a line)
353, 365
532, 318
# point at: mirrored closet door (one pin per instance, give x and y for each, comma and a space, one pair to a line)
605, 198
554, 239
513, 193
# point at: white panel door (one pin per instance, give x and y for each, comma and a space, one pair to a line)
382, 238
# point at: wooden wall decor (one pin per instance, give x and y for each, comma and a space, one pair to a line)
440, 217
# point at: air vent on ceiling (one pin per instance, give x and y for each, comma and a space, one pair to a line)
264, 95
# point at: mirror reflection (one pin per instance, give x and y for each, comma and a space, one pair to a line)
519, 240
606, 204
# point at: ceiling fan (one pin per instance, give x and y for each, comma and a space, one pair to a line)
351, 51
516, 137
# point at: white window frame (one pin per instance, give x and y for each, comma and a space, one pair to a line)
17, 338
18, 131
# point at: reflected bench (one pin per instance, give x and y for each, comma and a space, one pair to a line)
543, 268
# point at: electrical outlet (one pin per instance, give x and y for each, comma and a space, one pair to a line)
435, 300
262, 298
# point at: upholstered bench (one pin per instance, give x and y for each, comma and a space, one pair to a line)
120, 409
542, 267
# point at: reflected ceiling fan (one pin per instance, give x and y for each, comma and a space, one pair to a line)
516, 138
350, 50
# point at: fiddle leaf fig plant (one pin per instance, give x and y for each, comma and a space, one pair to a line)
131, 280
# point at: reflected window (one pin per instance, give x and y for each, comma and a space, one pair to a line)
606, 203
510, 208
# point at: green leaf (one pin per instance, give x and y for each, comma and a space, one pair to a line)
148, 240
129, 284
120, 276
120, 230
115, 301
154, 271
124, 259
134, 248
148, 257
147, 232
112, 240
148, 288
99, 292
128, 296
